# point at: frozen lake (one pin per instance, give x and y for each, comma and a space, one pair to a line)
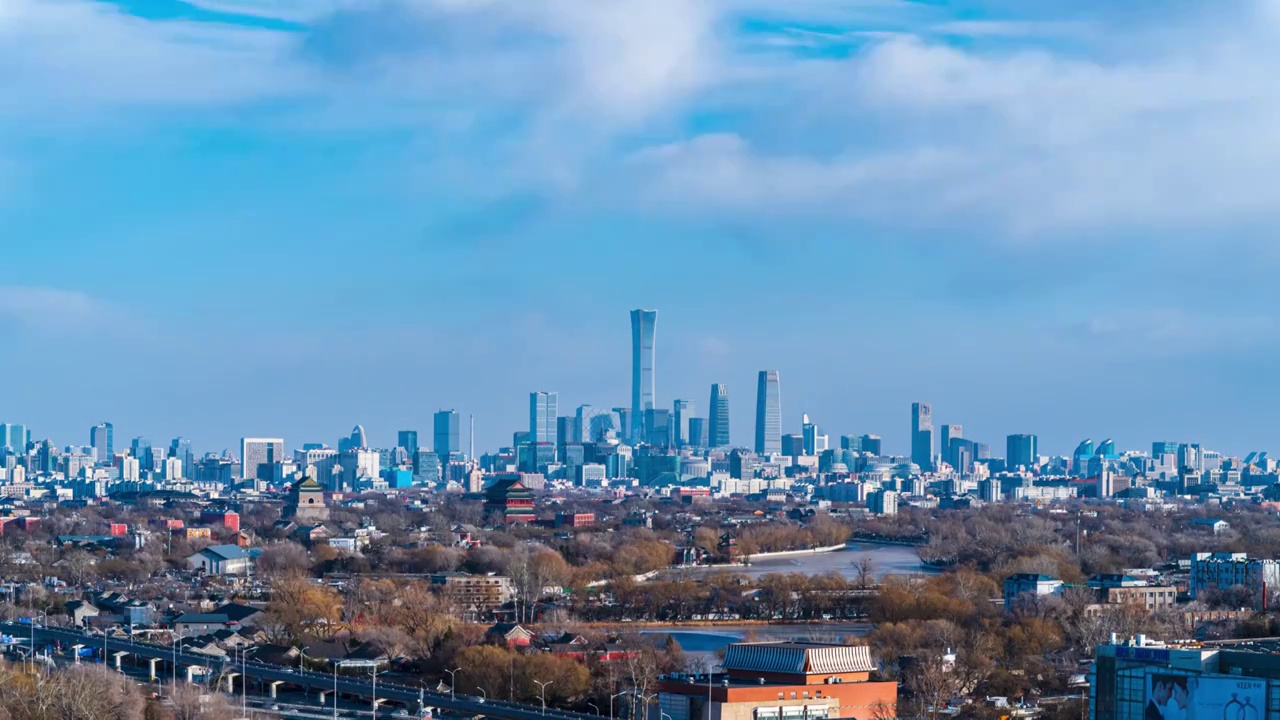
885, 559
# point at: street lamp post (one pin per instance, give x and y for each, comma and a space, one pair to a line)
611, 698
484, 696
33, 635
647, 699
244, 680
374, 671
176, 639
710, 674
453, 682
542, 692
336, 663
594, 707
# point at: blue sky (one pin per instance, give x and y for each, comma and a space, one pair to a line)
244, 217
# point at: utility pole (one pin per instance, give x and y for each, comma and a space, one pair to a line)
1078, 533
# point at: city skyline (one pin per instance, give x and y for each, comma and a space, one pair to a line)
771, 431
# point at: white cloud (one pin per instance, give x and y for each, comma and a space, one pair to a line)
51, 310
1029, 143
633, 59
75, 54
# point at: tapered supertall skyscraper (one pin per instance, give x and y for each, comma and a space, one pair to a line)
718, 417
769, 413
644, 328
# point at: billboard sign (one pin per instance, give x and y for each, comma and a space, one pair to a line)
1182, 697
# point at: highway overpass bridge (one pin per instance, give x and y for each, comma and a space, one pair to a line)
178, 661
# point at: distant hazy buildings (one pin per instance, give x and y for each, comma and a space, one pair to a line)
1021, 451
542, 417
682, 413
180, 449
718, 418
357, 440
644, 326
141, 449
922, 435
946, 434
447, 437
697, 432
258, 455
768, 413
14, 437
658, 428
407, 439
102, 440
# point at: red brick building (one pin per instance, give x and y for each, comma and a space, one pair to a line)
228, 519
575, 520
783, 681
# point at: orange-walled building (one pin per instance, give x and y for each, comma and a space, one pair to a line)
783, 681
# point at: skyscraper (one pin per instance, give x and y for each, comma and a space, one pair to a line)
947, 432
768, 413
683, 412
566, 429
872, 444
644, 327
697, 432
180, 449
922, 435
257, 455
102, 438
141, 449
356, 441
542, 417
408, 439
14, 437
1021, 451
448, 439
657, 427
718, 417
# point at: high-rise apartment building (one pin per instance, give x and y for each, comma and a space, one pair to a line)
1022, 451
922, 435
258, 455
408, 439
768, 413
102, 439
718, 417
448, 439
644, 327
542, 417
